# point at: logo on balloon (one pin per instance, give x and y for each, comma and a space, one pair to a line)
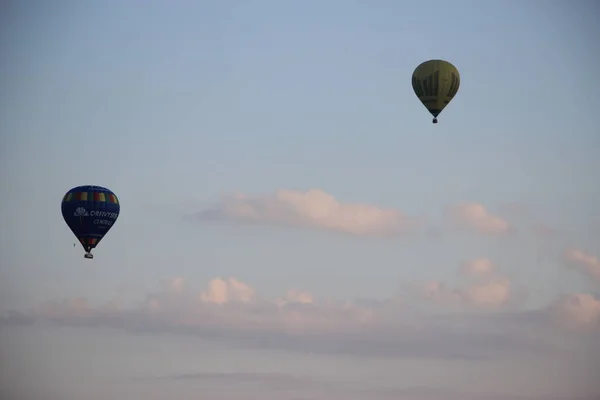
80, 212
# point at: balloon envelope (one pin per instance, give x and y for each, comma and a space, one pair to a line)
90, 212
435, 82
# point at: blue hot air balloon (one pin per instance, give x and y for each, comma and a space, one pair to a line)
90, 212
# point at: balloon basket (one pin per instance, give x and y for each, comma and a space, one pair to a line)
89, 256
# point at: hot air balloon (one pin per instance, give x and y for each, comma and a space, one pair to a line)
435, 83
90, 212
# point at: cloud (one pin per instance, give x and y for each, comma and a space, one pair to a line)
475, 217
76, 307
489, 294
311, 209
530, 221
316, 209
176, 284
578, 311
492, 294
478, 267
226, 291
228, 309
295, 296
490, 291
584, 262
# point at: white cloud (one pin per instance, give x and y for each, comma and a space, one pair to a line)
578, 310
478, 267
222, 291
585, 262
490, 291
233, 310
295, 296
477, 218
494, 293
315, 209
235, 305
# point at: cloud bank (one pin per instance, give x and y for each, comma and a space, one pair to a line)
316, 209
311, 209
229, 309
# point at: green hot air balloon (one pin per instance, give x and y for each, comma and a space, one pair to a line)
435, 83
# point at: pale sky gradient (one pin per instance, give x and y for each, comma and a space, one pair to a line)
292, 225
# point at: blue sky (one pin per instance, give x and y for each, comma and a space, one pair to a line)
176, 106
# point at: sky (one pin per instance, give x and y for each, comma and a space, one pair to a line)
292, 224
